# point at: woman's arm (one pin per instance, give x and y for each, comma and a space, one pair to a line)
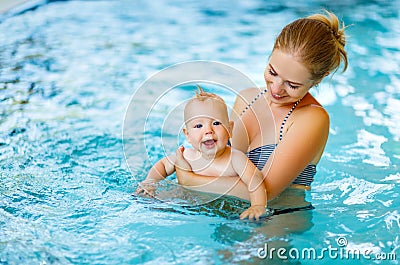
240, 133
304, 140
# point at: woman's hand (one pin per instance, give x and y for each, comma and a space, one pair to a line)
254, 212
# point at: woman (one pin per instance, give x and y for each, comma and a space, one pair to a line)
282, 128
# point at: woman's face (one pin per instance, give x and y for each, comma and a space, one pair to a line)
287, 80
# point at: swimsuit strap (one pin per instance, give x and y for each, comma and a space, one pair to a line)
254, 100
285, 119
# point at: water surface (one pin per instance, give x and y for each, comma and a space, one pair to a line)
67, 72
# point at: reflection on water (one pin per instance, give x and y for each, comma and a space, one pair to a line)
67, 72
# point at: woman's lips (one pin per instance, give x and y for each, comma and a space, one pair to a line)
277, 97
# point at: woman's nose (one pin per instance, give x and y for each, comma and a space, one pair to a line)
277, 85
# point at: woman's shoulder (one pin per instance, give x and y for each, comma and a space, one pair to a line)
310, 106
250, 93
245, 96
312, 112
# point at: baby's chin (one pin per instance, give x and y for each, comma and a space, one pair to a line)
208, 153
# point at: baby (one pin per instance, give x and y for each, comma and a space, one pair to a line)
208, 129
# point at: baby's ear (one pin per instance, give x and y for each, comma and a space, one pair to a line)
186, 133
230, 129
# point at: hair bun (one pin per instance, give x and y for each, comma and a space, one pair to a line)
332, 23
339, 36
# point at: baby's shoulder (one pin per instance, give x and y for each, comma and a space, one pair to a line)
237, 154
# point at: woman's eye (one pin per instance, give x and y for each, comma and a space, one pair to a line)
292, 86
216, 123
198, 126
272, 72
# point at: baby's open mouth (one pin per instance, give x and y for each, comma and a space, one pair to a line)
209, 143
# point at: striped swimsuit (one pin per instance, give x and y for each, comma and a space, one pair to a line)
260, 155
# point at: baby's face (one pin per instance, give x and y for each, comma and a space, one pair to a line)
207, 126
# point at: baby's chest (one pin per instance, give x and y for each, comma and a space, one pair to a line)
215, 169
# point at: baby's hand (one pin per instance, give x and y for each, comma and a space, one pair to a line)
254, 212
181, 162
146, 188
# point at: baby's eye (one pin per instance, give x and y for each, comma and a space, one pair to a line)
216, 123
198, 126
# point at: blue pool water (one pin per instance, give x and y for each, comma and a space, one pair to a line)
68, 70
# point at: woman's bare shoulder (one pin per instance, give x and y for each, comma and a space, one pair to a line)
312, 111
310, 108
249, 93
245, 96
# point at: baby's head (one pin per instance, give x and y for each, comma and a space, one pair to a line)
206, 104
207, 123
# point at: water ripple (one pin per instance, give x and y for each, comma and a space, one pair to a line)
67, 72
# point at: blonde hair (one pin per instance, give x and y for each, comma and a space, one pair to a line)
316, 41
202, 96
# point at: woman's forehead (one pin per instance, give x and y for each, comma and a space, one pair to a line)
289, 68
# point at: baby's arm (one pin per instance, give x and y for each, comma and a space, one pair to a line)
163, 168
253, 178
